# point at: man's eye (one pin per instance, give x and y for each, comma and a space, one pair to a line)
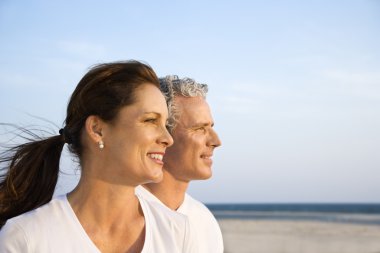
201, 129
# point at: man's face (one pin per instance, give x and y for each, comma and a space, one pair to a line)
190, 157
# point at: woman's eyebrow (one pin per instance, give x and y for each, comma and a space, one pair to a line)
155, 113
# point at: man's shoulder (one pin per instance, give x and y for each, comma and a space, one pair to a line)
143, 193
163, 224
157, 208
203, 222
191, 206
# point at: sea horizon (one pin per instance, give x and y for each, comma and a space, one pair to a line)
353, 213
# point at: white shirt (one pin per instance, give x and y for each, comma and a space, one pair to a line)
54, 228
203, 224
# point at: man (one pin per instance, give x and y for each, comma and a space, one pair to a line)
189, 158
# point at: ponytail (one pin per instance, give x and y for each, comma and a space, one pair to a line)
31, 174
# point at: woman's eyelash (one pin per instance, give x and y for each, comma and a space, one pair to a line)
150, 120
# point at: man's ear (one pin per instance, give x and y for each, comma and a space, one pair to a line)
94, 127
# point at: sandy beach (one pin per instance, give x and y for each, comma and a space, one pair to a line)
272, 236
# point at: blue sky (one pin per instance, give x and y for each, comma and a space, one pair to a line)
294, 85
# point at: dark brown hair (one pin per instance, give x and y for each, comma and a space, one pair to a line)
31, 169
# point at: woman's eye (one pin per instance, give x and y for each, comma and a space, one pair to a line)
151, 120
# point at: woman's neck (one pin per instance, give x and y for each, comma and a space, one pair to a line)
107, 213
107, 203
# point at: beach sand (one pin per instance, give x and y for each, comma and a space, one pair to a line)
271, 236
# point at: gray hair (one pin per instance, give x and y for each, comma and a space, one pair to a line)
172, 86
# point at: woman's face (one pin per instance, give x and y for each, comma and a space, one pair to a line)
136, 140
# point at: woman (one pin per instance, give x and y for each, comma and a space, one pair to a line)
115, 124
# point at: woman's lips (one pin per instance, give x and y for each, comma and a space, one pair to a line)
157, 157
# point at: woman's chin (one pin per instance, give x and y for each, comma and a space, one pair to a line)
156, 177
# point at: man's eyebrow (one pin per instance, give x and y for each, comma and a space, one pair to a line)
203, 124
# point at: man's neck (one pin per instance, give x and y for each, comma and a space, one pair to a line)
170, 190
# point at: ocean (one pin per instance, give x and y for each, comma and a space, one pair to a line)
368, 214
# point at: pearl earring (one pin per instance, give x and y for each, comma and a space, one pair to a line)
101, 144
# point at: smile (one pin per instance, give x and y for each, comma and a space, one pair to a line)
156, 156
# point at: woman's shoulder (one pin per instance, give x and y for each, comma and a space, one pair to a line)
37, 218
13, 238
20, 232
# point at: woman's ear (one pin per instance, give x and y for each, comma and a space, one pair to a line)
94, 126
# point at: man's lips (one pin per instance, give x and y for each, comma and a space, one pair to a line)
206, 155
207, 158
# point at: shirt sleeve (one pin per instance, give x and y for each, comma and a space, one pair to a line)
13, 239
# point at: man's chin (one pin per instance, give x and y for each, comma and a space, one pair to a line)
204, 174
